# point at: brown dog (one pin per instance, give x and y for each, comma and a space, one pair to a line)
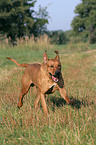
46, 77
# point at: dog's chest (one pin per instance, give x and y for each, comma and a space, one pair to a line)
51, 88
46, 83
52, 85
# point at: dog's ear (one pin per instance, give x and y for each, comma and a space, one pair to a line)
57, 56
45, 57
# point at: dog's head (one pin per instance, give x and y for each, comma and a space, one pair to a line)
53, 66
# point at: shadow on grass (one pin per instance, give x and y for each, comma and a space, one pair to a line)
77, 104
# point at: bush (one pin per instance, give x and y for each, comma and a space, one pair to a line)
58, 37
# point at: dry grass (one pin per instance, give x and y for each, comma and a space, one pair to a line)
39, 43
81, 46
66, 125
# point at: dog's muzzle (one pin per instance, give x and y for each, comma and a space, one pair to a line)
55, 77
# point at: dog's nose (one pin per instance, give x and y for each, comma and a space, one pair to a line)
57, 72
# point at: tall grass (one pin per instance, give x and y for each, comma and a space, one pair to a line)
66, 125
39, 43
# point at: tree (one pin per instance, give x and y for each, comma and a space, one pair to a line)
58, 37
18, 18
85, 20
40, 21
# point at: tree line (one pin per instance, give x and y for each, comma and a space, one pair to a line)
84, 23
18, 19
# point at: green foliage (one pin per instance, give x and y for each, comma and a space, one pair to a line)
58, 37
41, 20
18, 18
85, 20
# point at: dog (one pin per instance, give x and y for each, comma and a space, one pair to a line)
47, 77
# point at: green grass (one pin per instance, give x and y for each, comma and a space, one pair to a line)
66, 125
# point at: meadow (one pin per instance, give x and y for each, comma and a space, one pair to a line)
66, 124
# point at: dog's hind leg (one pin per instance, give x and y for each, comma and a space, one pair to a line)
26, 82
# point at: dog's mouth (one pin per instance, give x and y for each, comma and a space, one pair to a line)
55, 78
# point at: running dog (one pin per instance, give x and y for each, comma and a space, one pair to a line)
47, 78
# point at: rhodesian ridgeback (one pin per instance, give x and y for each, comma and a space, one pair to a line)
47, 77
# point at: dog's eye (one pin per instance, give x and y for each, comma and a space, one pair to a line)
59, 65
51, 66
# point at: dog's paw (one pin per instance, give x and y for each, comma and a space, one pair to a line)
19, 105
72, 102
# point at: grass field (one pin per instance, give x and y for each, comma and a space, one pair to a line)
66, 125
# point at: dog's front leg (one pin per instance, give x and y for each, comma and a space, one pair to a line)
37, 100
44, 104
64, 95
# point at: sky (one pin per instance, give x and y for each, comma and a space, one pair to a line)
60, 11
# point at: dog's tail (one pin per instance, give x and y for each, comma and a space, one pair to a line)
20, 65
